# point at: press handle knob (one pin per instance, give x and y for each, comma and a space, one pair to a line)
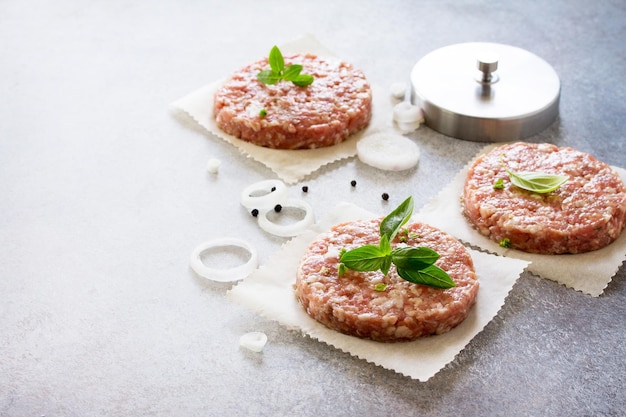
487, 64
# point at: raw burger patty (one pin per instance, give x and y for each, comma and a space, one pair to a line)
337, 105
403, 311
587, 213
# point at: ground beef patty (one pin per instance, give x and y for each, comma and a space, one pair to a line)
404, 311
337, 105
586, 213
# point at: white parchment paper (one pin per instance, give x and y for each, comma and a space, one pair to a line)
291, 166
589, 272
269, 292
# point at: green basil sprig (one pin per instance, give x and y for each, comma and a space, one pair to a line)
414, 264
279, 72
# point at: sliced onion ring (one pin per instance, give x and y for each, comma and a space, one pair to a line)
291, 229
267, 200
254, 341
388, 151
223, 275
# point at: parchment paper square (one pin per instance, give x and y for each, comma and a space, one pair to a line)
291, 166
269, 292
588, 272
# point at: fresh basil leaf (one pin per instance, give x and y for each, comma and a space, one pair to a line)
396, 219
537, 182
414, 257
433, 276
364, 258
303, 80
268, 77
386, 265
291, 72
276, 61
385, 245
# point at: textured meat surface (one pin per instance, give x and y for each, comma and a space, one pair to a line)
403, 311
587, 213
337, 105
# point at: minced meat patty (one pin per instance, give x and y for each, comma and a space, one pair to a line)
325, 113
586, 213
404, 311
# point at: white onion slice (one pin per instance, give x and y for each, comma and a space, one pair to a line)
254, 341
406, 112
292, 229
389, 151
223, 275
267, 198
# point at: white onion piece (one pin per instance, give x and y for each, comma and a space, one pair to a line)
292, 229
254, 108
389, 151
267, 198
223, 275
213, 165
254, 341
406, 112
398, 90
405, 128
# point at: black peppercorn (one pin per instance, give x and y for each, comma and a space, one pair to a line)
385, 196
305, 189
278, 208
254, 212
353, 183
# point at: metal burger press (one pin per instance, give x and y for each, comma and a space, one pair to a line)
485, 92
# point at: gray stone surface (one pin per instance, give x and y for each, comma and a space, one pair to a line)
104, 193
